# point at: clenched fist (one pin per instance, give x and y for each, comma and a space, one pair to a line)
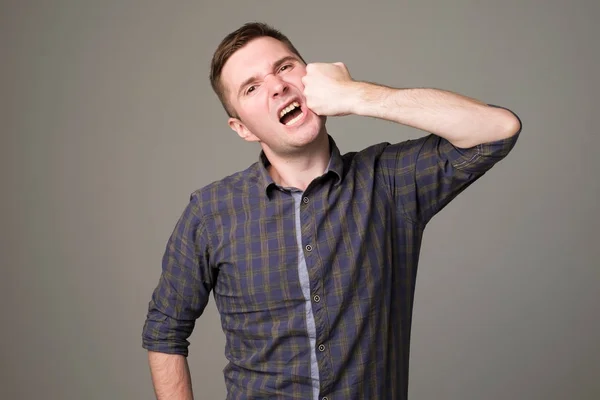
329, 89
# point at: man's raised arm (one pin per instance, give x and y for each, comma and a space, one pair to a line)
463, 121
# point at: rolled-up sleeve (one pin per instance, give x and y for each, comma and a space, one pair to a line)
183, 288
425, 174
480, 158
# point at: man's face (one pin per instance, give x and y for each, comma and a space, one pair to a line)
262, 80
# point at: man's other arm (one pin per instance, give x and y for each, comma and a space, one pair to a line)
178, 300
170, 376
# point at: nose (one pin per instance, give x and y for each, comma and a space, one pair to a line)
277, 86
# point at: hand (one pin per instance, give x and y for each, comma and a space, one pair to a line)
328, 89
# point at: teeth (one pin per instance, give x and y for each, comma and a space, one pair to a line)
289, 108
295, 119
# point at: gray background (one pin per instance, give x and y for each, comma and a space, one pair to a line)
108, 124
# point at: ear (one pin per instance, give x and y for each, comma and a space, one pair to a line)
241, 129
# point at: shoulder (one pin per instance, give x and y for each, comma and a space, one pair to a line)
221, 195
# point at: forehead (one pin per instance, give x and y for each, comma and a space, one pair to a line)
255, 58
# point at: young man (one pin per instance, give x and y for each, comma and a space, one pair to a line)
312, 255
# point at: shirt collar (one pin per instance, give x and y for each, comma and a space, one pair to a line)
335, 167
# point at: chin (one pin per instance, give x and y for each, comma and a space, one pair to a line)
308, 133
313, 125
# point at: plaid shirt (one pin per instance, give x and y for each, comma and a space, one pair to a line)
361, 228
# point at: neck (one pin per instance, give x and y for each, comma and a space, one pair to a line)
299, 170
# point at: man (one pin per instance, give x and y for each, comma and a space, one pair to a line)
312, 255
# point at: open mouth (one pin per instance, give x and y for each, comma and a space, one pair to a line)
291, 114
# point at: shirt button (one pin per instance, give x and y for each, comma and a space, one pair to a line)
305, 200
308, 247
321, 347
317, 298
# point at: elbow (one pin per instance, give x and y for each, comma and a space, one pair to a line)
512, 124
498, 123
508, 124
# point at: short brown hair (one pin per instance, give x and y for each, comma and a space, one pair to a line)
232, 43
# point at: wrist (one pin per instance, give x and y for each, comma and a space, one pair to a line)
355, 98
367, 98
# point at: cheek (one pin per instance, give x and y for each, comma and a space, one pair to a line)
297, 81
255, 115
251, 108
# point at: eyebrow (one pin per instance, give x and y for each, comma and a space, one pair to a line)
275, 66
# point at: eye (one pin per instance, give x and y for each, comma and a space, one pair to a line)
285, 67
250, 89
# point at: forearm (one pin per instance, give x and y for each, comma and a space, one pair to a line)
463, 121
170, 376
